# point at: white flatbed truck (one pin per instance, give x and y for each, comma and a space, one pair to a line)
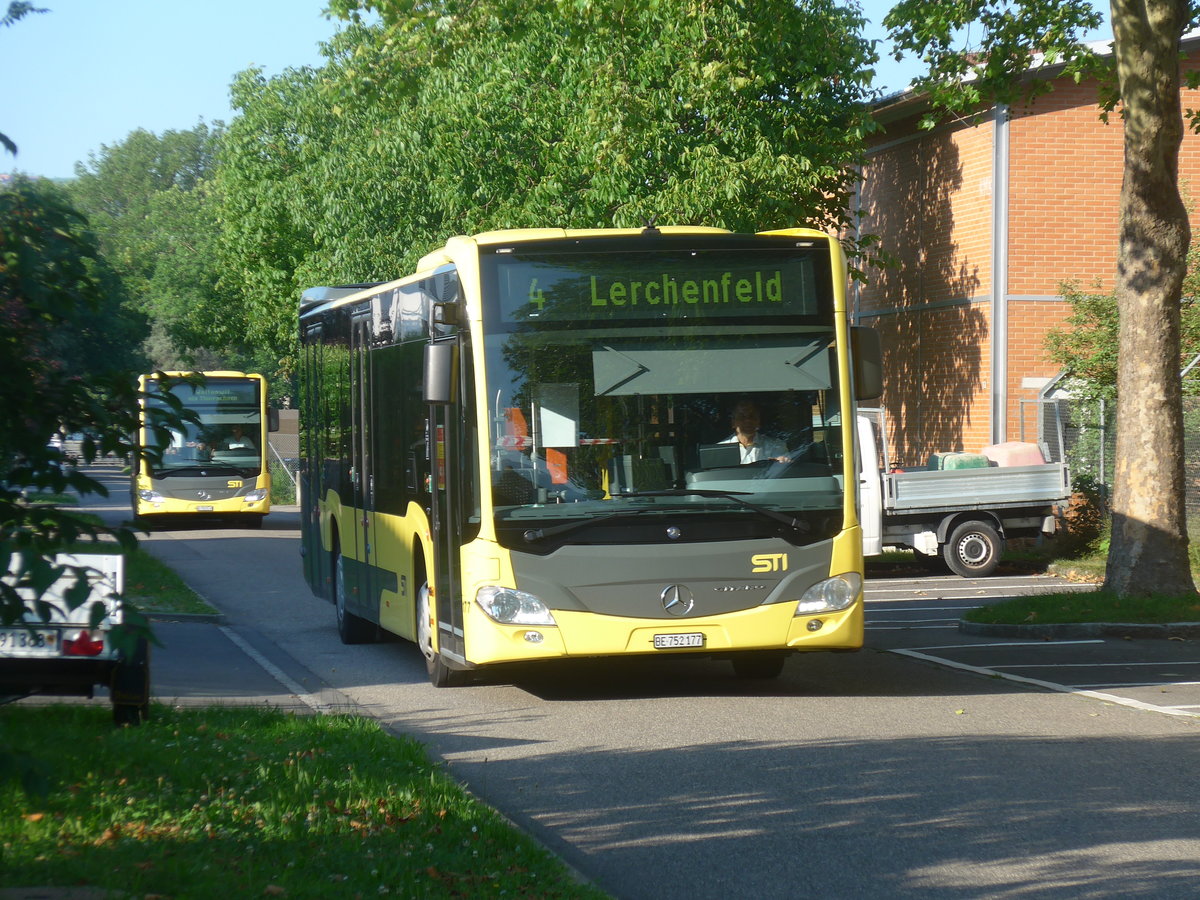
959, 518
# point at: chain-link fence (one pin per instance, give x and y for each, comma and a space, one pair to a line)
283, 459
1088, 432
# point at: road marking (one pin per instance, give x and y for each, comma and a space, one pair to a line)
1133, 684
1049, 685
1097, 665
920, 609
1006, 644
277, 673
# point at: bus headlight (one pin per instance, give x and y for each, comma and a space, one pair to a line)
830, 595
256, 496
512, 607
151, 496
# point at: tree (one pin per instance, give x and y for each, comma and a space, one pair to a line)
55, 304
149, 199
996, 44
461, 116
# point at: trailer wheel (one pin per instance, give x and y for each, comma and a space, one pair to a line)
130, 687
973, 550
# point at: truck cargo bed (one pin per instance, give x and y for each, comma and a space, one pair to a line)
996, 487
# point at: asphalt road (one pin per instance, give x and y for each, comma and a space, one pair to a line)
931, 764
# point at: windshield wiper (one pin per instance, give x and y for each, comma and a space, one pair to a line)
537, 534
195, 467
736, 496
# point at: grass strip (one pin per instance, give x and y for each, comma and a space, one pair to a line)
1086, 606
153, 587
252, 802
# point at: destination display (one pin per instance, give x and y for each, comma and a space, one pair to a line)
676, 285
218, 395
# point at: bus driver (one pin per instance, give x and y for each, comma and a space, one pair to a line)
755, 446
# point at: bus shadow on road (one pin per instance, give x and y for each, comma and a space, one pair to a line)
867, 673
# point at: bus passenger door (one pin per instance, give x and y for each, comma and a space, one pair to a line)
446, 456
361, 601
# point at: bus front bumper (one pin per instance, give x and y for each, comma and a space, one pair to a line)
580, 634
167, 506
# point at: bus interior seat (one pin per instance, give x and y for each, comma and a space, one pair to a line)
630, 473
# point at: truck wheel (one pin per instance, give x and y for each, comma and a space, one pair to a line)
973, 550
351, 628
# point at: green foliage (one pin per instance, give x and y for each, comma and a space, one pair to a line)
65, 366
978, 51
453, 118
150, 198
1086, 347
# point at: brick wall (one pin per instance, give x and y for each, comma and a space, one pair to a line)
929, 196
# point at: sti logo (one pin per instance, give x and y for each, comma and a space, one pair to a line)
769, 562
233, 484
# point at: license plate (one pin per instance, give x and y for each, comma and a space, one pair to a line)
204, 509
671, 641
26, 642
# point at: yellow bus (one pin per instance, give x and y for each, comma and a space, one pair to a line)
526, 449
215, 466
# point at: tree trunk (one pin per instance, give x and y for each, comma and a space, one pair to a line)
1149, 531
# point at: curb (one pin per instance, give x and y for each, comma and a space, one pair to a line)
1179, 631
191, 618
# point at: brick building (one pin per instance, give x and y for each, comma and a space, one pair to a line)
987, 219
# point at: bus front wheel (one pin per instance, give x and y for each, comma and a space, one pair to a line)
440, 674
761, 664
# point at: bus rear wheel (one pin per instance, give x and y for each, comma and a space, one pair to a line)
352, 629
440, 674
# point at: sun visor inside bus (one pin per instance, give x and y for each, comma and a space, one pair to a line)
631, 370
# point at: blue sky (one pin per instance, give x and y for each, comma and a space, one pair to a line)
90, 71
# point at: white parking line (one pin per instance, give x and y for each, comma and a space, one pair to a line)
1085, 665
1007, 644
1134, 684
1049, 685
919, 609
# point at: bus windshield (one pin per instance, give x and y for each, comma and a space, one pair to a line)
227, 433
610, 422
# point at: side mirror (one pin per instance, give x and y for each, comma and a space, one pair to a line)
441, 363
272, 419
866, 353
